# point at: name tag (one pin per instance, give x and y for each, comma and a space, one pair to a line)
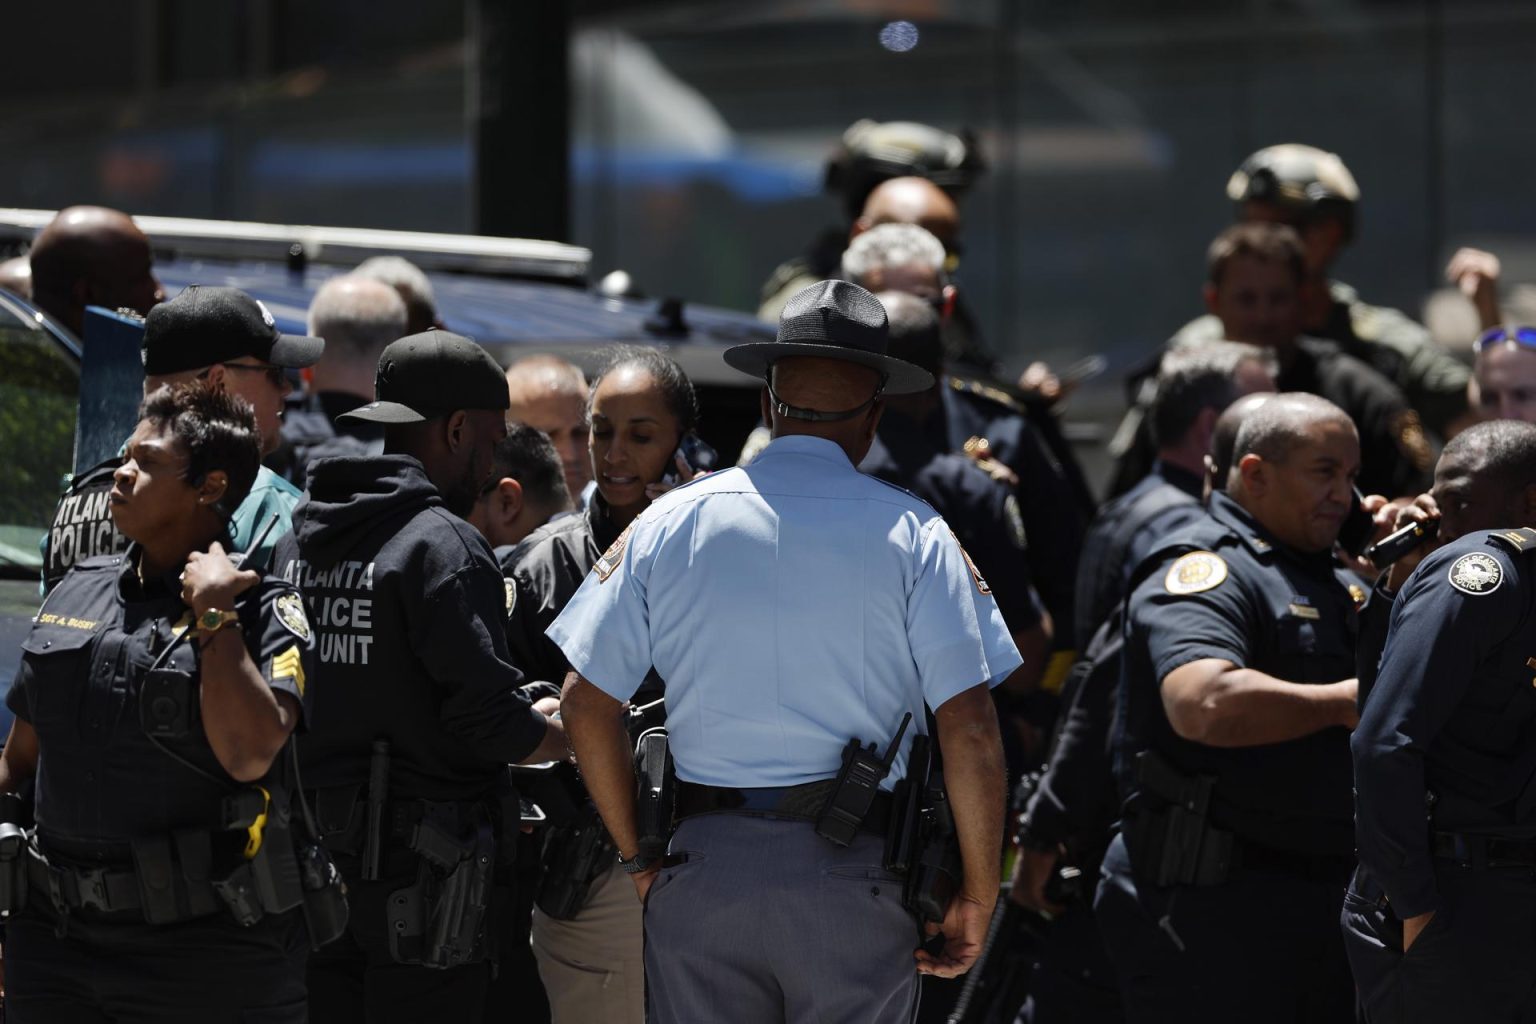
1302, 611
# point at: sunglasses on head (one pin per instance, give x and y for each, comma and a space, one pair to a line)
1519, 335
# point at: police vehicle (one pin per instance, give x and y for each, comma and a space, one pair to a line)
515, 296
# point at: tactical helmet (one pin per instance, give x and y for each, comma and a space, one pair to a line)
873, 152
1306, 182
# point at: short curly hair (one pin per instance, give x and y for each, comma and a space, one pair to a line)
219, 432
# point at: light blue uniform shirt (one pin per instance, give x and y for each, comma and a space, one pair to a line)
790, 606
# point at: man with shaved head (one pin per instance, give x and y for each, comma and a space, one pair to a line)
358, 317
550, 394
793, 605
1238, 693
912, 201
91, 256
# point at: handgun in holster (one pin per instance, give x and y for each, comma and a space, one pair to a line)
656, 795
439, 921
572, 859
1168, 835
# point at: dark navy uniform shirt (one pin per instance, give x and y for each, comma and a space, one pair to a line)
1452, 713
983, 512
1123, 533
1225, 588
100, 780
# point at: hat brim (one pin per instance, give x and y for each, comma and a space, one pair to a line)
384, 412
296, 351
901, 377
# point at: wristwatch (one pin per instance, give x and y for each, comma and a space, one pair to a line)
638, 864
213, 620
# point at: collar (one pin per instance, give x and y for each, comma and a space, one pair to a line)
1192, 484
804, 444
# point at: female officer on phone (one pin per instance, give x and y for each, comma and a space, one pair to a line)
643, 412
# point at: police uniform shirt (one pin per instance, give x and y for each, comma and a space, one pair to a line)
984, 513
1453, 713
790, 606
1225, 588
1123, 533
409, 610
542, 573
100, 779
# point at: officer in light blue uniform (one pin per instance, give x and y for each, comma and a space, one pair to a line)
791, 606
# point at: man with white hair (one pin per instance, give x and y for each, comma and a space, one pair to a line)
357, 317
411, 283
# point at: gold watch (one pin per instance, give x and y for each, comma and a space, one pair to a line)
213, 620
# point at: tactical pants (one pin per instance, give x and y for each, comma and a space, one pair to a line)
766, 922
207, 971
355, 980
1472, 962
1262, 947
593, 966
1073, 981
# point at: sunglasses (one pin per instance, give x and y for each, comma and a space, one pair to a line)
1519, 335
276, 374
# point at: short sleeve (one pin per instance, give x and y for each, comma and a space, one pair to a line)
1185, 616
605, 631
19, 700
282, 643
957, 635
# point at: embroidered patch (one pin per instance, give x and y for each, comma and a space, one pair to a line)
981, 583
289, 665
1476, 574
511, 594
606, 565
290, 612
1195, 573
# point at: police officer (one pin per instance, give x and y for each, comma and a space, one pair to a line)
155, 698
1312, 191
587, 930
1193, 389
790, 606
526, 489
1237, 690
228, 339
1440, 919
357, 317
419, 713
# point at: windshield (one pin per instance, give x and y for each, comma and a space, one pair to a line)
38, 394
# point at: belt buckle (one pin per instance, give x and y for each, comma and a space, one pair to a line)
91, 889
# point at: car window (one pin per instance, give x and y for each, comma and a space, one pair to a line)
39, 385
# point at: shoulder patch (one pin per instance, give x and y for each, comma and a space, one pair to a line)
976, 577
511, 594
1195, 573
289, 609
1518, 541
1476, 574
606, 566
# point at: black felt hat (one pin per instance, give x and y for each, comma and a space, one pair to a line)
833, 320
423, 376
205, 325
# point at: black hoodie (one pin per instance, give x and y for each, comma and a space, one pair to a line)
409, 609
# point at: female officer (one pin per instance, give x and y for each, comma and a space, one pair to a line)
156, 692
642, 407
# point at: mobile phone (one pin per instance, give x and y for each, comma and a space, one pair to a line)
1083, 370
1358, 527
699, 456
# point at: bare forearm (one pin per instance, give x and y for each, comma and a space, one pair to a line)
18, 761
245, 720
1245, 708
595, 725
975, 778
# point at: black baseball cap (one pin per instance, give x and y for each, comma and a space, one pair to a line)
423, 376
833, 320
205, 325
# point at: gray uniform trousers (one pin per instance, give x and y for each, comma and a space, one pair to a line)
766, 922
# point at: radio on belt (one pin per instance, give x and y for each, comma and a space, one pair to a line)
857, 783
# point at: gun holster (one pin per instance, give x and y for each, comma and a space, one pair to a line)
440, 920
656, 796
572, 859
921, 842
1168, 835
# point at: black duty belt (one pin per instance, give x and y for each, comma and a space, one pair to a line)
799, 802
108, 890
1317, 867
1483, 851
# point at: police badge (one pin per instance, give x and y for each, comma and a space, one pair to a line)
289, 609
1476, 574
